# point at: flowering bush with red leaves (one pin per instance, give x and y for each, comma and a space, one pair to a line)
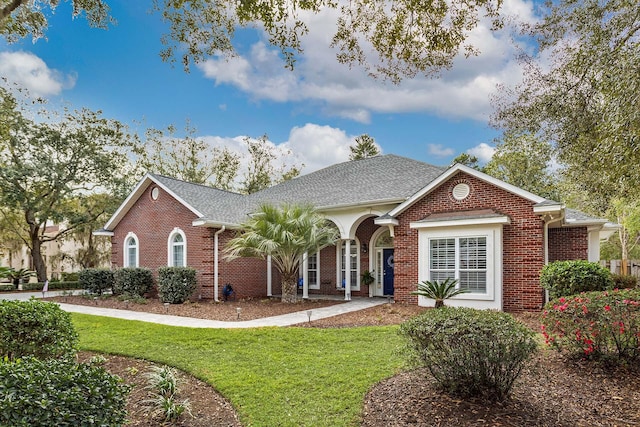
599, 325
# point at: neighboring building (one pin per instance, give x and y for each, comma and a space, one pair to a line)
58, 255
405, 220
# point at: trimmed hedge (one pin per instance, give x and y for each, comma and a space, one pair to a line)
470, 353
564, 278
96, 280
132, 281
176, 284
35, 328
60, 393
38, 286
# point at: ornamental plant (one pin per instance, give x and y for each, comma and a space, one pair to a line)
35, 328
96, 280
597, 325
470, 353
60, 393
176, 284
564, 278
439, 290
132, 281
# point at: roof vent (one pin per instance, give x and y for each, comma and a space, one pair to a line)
461, 191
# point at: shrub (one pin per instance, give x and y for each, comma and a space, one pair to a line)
96, 280
133, 281
37, 286
470, 353
564, 278
7, 287
599, 325
60, 393
623, 281
70, 276
35, 328
176, 284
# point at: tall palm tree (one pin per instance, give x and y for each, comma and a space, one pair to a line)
285, 233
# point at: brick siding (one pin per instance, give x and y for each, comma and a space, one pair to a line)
568, 244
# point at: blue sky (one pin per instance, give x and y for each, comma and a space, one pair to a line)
315, 111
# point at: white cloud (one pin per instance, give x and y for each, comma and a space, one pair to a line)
313, 145
484, 152
440, 150
463, 92
32, 73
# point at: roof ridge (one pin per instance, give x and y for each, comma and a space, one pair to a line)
195, 184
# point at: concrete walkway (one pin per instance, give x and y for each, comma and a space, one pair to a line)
283, 320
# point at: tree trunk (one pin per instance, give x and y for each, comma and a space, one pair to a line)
289, 288
36, 253
439, 303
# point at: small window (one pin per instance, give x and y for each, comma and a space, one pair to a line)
131, 251
177, 249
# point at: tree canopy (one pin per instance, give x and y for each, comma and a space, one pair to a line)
364, 147
285, 234
393, 39
49, 165
585, 103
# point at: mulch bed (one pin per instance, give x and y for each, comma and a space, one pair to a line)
206, 309
552, 391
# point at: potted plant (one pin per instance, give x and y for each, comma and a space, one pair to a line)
367, 278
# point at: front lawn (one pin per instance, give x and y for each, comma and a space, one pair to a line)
273, 376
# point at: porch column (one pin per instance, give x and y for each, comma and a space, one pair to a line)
347, 270
305, 275
269, 292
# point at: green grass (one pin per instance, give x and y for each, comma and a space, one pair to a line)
272, 376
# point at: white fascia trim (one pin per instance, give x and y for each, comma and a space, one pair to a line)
548, 209
504, 220
608, 230
135, 195
102, 233
473, 172
386, 221
213, 224
584, 222
371, 203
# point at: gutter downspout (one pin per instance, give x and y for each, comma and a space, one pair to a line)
546, 246
215, 263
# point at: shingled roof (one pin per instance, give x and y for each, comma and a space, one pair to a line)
381, 180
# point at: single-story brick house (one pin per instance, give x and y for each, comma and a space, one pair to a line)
402, 219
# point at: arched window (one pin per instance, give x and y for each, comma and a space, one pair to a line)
131, 251
177, 256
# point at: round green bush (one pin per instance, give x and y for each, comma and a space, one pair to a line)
176, 284
564, 278
35, 328
132, 281
96, 280
60, 393
470, 353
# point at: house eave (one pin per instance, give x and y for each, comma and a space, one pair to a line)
208, 223
371, 203
499, 220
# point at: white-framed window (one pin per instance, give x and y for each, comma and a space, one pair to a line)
461, 258
354, 264
131, 251
177, 249
313, 270
470, 254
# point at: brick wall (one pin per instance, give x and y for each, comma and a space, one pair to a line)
153, 221
568, 244
523, 246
